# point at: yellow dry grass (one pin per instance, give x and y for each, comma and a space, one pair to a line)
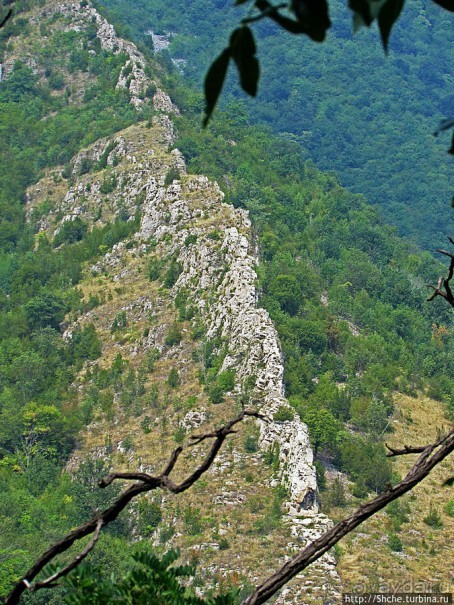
426, 562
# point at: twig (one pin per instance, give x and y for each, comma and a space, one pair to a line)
406, 450
426, 462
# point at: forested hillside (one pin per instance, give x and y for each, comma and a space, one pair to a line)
142, 302
368, 117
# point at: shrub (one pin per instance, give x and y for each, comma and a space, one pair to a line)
283, 414
127, 443
394, 542
433, 519
145, 425
320, 474
174, 335
173, 174
226, 380
70, 232
191, 239
174, 379
449, 508
154, 268
335, 495
192, 521
85, 165
215, 393
109, 184
173, 273
150, 516
251, 444
179, 435
119, 322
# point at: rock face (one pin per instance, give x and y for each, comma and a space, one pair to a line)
219, 273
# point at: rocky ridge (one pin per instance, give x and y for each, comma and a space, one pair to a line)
218, 276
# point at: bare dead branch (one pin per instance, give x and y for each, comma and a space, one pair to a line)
443, 287
406, 450
431, 456
145, 483
50, 581
125, 477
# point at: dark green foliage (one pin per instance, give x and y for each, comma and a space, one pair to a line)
85, 344
398, 511
71, 231
109, 184
251, 444
321, 475
192, 521
172, 175
271, 456
395, 543
283, 414
150, 516
120, 321
433, 519
45, 310
173, 379
215, 393
154, 268
335, 495
149, 580
226, 380
172, 274
449, 508
190, 239
174, 335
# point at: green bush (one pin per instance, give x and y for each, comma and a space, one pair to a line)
226, 380
120, 322
174, 335
172, 275
190, 239
70, 232
179, 435
449, 508
433, 519
283, 414
394, 542
251, 444
215, 393
174, 380
154, 268
192, 521
173, 174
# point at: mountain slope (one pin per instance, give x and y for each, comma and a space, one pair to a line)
138, 321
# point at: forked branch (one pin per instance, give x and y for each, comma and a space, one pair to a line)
145, 483
443, 287
431, 455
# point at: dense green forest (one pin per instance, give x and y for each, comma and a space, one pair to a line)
366, 116
346, 293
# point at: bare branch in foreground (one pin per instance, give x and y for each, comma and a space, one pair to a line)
50, 582
407, 449
145, 483
444, 282
431, 455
